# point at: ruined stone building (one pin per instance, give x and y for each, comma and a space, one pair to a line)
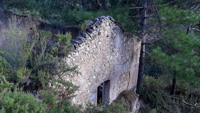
107, 60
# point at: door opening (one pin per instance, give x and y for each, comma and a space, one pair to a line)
103, 93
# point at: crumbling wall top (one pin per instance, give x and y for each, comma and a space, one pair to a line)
97, 25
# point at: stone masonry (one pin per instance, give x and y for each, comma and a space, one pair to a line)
104, 52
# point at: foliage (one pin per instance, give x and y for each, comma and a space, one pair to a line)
115, 107
56, 104
65, 39
84, 25
176, 2
58, 12
19, 102
15, 56
175, 54
25, 59
29, 64
175, 15
154, 94
4, 83
120, 14
183, 55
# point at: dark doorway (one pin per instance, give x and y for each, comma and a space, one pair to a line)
103, 92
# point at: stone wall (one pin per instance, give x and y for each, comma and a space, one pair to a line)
20, 22
104, 53
26, 24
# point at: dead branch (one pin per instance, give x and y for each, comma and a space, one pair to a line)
148, 54
183, 101
136, 8
195, 29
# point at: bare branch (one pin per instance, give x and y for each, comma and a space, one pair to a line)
183, 101
136, 8
148, 54
195, 29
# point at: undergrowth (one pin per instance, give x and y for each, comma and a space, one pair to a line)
155, 95
28, 66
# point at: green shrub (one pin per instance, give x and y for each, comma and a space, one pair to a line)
14, 55
22, 60
84, 25
115, 107
65, 39
32, 65
19, 102
4, 84
56, 104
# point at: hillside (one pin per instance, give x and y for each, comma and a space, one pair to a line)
99, 56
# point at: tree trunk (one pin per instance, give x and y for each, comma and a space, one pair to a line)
142, 51
96, 4
173, 84
1, 3
83, 4
104, 4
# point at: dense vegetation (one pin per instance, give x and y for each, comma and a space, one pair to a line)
70, 12
171, 82
174, 60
